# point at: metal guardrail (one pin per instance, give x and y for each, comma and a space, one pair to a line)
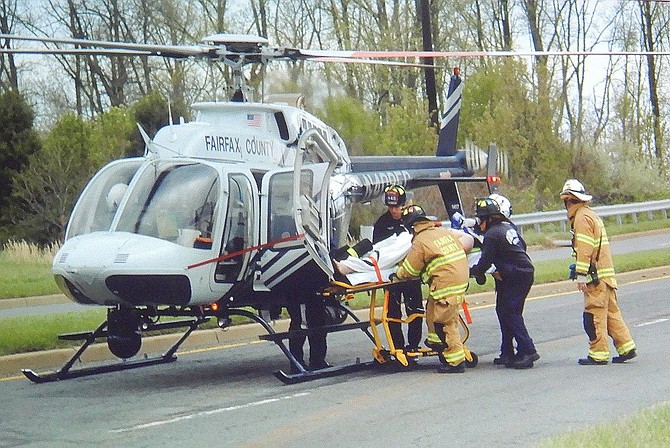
539, 218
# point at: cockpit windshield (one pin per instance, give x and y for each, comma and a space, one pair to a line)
174, 202
100, 201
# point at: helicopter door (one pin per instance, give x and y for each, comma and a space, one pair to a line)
285, 254
314, 165
238, 233
296, 229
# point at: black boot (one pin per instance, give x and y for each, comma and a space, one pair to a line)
448, 368
525, 361
623, 358
588, 361
504, 360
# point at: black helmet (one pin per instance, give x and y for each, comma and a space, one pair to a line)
394, 196
485, 207
412, 214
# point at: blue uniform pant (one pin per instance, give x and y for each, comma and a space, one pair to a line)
511, 293
313, 319
411, 294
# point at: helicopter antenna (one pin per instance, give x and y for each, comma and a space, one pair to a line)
170, 121
170, 113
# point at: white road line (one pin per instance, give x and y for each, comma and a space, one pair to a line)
205, 413
652, 322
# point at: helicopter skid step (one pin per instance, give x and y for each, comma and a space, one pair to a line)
306, 332
309, 375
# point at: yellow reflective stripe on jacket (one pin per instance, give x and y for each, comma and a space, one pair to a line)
586, 239
410, 269
605, 272
444, 260
581, 267
593, 242
443, 293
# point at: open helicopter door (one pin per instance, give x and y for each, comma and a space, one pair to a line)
295, 200
314, 165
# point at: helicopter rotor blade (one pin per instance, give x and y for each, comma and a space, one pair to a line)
245, 49
346, 54
74, 51
371, 61
147, 49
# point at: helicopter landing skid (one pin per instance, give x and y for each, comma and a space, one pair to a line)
300, 373
308, 375
89, 338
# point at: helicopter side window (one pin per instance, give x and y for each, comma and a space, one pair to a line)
281, 222
238, 228
172, 202
100, 201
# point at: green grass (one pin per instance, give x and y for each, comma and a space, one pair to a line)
647, 428
25, 278
37, 333
21, 334
552, 231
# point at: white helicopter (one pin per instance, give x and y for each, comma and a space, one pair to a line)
238, 208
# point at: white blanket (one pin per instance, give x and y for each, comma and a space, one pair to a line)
386, 254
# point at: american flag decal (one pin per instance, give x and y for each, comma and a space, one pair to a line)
254, 120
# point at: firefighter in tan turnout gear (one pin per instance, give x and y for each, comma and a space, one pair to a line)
594, 273
438, 256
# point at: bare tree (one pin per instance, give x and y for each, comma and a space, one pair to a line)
8, 72
648, 17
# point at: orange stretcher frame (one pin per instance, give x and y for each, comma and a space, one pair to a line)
382, 354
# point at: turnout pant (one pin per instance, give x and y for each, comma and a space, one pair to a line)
602, 318
442, 317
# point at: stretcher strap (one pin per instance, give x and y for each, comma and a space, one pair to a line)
377, 271
466, 311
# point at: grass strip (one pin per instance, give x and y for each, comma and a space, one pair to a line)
647, 428
25, 279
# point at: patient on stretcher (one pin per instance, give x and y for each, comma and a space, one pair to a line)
377, 262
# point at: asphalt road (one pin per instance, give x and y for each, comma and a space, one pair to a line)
227, 396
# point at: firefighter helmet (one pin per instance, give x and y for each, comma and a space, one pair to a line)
395, 196
504, 204
412, 214
573, 187
485, 207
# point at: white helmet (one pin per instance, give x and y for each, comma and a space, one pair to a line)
575, 188
115, 195
504, 204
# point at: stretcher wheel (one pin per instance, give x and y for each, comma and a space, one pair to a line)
474, 362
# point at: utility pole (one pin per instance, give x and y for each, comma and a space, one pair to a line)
429, 72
